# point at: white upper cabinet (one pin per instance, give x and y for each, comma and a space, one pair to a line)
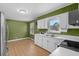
39, 23
32, 28
63, 21
42, 24
63, 18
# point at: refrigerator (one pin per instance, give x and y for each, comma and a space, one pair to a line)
3, 37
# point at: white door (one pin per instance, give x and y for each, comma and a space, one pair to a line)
37, 39
40, 41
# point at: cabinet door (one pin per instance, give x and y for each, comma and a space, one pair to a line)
38, 40
63, 21
51, 45
42, 24
45, 42
39, 24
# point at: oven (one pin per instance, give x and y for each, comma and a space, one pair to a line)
72, 45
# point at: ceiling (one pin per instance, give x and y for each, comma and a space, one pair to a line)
34, 10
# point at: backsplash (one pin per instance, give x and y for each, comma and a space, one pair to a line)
74, 32
41, 31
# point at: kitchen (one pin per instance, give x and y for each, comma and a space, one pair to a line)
51, 39
56, 31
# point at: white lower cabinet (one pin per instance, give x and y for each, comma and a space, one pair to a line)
38, 39
47, 42
51, 44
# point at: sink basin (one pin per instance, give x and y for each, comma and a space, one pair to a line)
50, 35
60, 37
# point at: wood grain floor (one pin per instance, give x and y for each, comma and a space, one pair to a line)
25, 48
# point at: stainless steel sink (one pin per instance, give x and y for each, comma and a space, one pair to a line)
50, 35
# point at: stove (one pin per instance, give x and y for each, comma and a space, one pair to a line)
72, 45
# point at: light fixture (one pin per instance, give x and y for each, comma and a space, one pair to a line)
22, 11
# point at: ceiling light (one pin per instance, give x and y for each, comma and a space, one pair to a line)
22, 11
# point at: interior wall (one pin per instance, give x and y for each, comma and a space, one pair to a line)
56, 12
17, 29
59, 11
74, 32
78, 6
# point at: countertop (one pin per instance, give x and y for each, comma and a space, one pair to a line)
61, 51
64, 37
68, 37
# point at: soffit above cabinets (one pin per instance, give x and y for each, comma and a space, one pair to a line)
29, 11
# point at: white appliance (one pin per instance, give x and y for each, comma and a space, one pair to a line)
67, 48
3, 39
60, 51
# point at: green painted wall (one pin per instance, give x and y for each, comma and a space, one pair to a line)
56, 12
59, 11
78, 6
17, 29
74, 32
28, 29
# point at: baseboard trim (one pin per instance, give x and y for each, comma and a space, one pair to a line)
18, 39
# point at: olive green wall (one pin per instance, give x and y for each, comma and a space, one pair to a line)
74, 32
28, 29
78, 6
17, 29
56, 12
59, 11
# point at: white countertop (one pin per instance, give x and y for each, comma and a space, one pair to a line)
64, 37
60, 51
68, 37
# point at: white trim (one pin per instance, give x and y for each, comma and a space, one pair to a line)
17, 39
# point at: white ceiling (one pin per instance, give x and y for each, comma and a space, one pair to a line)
34, 10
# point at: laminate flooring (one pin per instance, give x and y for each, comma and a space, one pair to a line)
25, 47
